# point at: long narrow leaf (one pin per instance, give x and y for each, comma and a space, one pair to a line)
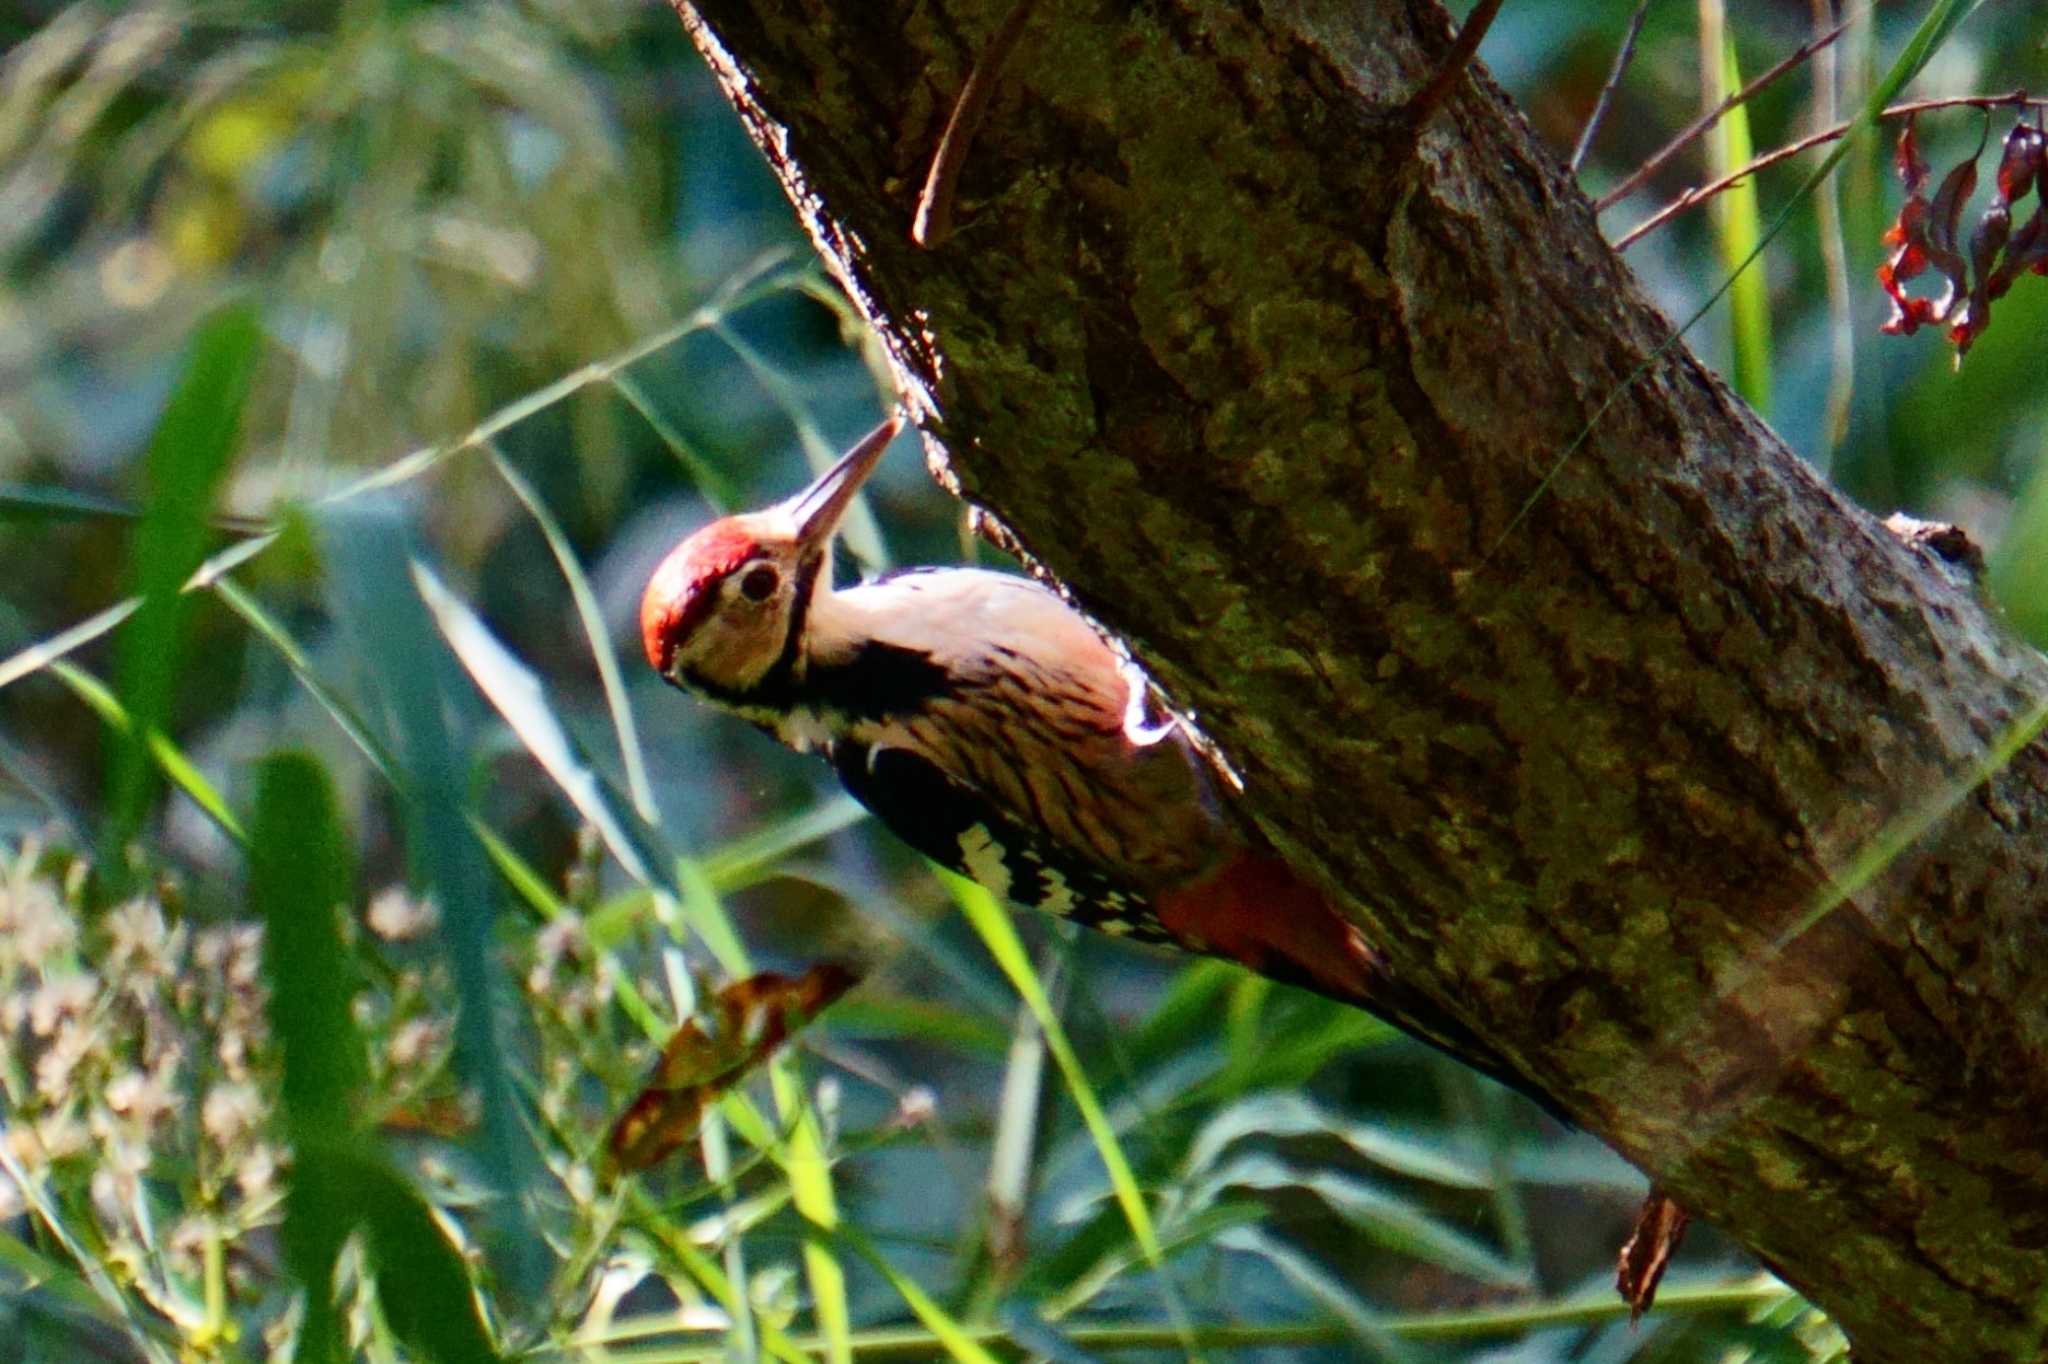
1286, 1114
368, 547
1320, 1285
299, 880
992, 923
949, 1333
520, 699
1394, 1222
169, 759
1738, 232
188, 457
422, 1282
40, 502
592, 619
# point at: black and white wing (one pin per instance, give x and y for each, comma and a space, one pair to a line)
961, 829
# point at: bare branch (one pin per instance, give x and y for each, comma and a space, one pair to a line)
2017, 99
934, 220
1622, 57
1705, 122
1467, 43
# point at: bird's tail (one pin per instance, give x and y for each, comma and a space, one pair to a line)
1256, 911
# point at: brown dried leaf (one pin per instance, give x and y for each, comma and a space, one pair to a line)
1944, 226
711, 1053
1906, 241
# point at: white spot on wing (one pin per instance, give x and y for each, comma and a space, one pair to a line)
806, 730
1141, 726
1059, 896
983, 859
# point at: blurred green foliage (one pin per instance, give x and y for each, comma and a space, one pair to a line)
518, 305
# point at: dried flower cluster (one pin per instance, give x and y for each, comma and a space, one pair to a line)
1927, 236
138, 1084
134, 1064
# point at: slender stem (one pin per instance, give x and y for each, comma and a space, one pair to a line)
1476, 1324
1705, 122
1622, 56
934, 220
1460, 56
1834, 253
2018, 99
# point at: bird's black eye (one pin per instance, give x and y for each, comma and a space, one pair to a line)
760, 583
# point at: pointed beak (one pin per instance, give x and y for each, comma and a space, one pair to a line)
818, 509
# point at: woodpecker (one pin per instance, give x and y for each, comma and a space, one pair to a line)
992, 728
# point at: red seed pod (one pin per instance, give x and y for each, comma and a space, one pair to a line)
1987, 239
1944, 228
1906, 240
2020, 163
1912, 167
2028, 250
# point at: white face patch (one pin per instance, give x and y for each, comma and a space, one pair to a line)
984, 861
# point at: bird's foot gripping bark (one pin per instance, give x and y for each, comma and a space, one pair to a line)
1659, 1230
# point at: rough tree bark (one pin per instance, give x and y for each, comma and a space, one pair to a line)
1264, 380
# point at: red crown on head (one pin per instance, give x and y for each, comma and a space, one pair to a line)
678, 596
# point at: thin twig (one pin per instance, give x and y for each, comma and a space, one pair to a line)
1706, 121
1622, 57
934, 220
1700, 194
1460, 56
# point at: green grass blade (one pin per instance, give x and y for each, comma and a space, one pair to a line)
168, 758
1321, 1285
1465, 1325
299, 879
368, 548
90, 1263
702, 1268
1288, 1114
757, 282
517, 694
528, 885
992, 923
592, 619
748, 860
959, 1344
1395, 1222
422, 1283
1738, 234
296, 658
42, 502
188, 458
711, 481
40, 655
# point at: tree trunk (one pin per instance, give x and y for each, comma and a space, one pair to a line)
1265, 379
